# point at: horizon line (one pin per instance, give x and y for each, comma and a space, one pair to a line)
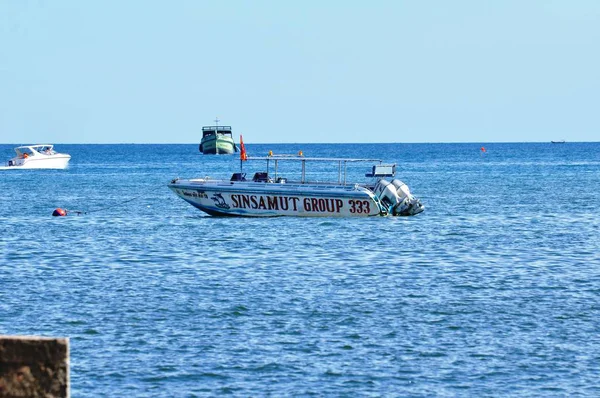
310, 143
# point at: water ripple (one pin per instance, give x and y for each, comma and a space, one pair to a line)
493, 291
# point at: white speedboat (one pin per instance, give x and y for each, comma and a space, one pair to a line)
41, 156
267, 195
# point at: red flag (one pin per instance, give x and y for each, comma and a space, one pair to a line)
243, 154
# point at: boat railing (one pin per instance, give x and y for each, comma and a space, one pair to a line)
342, 164
287, 186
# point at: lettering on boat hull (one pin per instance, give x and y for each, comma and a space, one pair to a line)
261, 205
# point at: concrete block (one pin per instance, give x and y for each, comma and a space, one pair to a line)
32, 366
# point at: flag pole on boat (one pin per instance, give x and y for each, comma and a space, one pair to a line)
243, 154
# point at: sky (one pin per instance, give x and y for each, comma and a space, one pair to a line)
144, 71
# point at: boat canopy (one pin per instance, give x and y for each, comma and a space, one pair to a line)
379, 170
303, 158
29, 149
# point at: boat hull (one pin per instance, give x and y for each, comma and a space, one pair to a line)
217, 145
39, 162
255, 199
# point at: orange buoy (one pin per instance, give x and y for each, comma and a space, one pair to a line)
483, 149
59, 212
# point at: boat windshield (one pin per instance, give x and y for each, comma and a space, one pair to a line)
212, 130
45, 149
24, 150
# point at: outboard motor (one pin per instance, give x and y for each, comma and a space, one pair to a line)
401, 188
397, 199
408, 205
386, 192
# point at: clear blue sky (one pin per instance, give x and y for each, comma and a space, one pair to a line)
140, 71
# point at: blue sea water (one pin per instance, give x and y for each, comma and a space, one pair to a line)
493, 291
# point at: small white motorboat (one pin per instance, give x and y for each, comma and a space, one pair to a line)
267, 195
40, 156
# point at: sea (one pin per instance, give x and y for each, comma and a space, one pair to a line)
494, 290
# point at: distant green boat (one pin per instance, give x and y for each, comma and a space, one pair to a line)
217, 140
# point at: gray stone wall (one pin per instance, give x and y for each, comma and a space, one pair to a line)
34, 367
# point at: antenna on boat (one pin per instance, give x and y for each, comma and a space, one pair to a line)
217, 121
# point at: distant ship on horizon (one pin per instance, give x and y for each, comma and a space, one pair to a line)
558, 142
217, 140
